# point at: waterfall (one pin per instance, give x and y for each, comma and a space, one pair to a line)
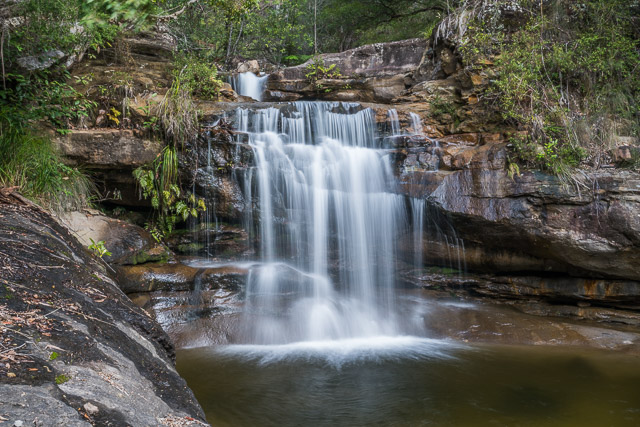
328, 226
248, 84
394, 122
416, 124
418, 208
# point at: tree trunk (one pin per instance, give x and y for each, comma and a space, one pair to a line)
235, 45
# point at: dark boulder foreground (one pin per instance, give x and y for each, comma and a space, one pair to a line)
75, 351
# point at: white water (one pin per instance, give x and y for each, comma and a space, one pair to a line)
418, 207
248, 84
416, 124
354, 350
394, 122
328, 225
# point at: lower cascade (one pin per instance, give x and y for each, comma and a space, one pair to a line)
328, 225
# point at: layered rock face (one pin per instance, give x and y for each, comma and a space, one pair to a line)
587, 227
131, 78
372, 73
479, 218
76, 351
478, 215
482, 218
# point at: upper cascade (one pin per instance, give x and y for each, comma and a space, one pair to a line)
311, 122
249, 84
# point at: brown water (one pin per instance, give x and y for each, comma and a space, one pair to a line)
413, 382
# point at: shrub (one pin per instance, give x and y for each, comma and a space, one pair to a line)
567, 74
197, 77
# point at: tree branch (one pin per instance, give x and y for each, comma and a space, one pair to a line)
175, 14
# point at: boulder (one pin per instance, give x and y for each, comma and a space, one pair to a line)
179, 277
40, 62
371, 73
374, 60
128, 243
81, 353
211, 240
249, 67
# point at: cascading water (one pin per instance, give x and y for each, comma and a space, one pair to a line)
394, 122
325, 342
328, 225
416, 123
248, 84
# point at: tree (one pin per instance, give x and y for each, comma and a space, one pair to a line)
345, 24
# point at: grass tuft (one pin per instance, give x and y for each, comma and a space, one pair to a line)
32, 164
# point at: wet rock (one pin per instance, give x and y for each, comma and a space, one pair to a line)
282, 96
196, 319
606, 301
215, 165
211, 240
605, 292
223, 193
587, 230
81, 339
179, 277
531, 323
595, 233
524, 223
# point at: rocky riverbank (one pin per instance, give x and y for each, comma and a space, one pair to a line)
75, 351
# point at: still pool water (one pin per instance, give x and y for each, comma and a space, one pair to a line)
408, 381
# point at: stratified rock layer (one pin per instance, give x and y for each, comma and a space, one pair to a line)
371, 73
